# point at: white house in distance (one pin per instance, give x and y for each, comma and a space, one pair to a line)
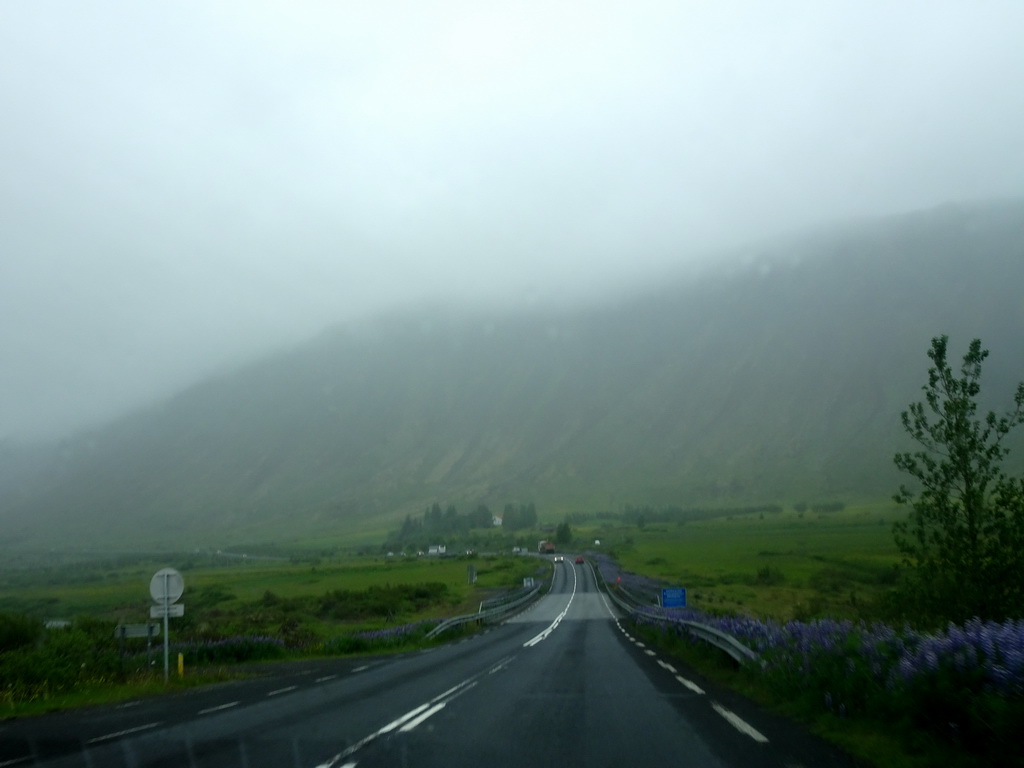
496, 520
437, 549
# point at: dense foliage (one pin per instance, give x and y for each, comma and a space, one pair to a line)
964, 539
17, 631
58, 661
437, 526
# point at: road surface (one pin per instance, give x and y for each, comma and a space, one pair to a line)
562, 683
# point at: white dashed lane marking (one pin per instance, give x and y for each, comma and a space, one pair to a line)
740, 724
125, 732
692, 686
229, 705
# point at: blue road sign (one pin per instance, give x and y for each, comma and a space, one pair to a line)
673, 597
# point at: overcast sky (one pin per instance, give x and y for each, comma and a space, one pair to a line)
185, 184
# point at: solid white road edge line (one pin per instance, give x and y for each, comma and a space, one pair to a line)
740, 724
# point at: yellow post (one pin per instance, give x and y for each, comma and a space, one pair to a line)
181, 665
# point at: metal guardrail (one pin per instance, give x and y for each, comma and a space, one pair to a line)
721, 640
491, 614
495, 602
716, 637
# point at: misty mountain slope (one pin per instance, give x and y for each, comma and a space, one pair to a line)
779, 380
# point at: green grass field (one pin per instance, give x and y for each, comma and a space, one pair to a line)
119, 591
776, 565
773, 565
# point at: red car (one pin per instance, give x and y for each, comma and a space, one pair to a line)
579, 559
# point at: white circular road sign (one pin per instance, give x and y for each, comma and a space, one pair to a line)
166, 585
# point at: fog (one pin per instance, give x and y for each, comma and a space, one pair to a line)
187, 185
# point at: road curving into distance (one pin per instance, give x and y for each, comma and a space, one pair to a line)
562, 683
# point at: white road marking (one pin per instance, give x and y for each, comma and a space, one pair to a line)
739, 724
639, 644
667, 666
125, 732
399, 721
451, 690
413, 723
558, 619
500, 665
229, 705
15, 761
362, 668
419, 714
325, 678
692, 686
650, 652
123, 706
282, 690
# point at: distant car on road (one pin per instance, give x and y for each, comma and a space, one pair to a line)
559, 558
579, 559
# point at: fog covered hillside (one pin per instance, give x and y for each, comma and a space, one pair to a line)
777, 380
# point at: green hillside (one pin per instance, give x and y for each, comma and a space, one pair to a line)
777, 379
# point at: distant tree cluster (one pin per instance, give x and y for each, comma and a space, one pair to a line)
439, 524
820, 507
646, 514
516, 517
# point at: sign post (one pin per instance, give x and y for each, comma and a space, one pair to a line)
166, 587
673, 597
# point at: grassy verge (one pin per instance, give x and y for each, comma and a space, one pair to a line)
783, 565
257, 611
102, 693
878, 743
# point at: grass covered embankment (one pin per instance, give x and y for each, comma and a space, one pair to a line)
246, 611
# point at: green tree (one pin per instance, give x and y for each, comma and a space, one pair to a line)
563, 534
963, 540
481, 517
